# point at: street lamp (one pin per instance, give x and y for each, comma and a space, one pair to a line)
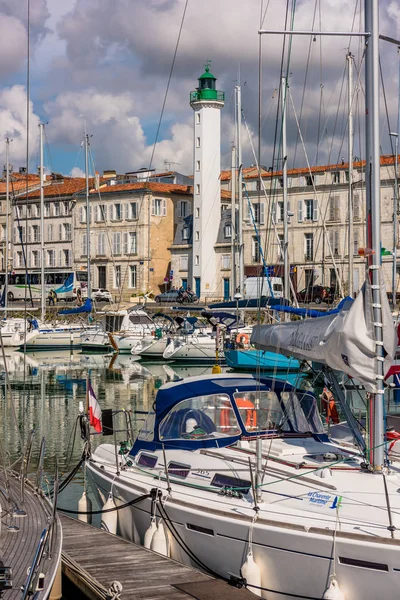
237, 297
395, 208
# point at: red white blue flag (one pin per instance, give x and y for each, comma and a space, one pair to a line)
94, 411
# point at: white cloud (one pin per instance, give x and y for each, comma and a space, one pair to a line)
77, 172
13, 41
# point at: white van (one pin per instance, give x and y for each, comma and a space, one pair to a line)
255, 287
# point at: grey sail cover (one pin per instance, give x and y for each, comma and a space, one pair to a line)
344, 341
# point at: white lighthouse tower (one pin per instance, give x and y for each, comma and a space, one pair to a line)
206, 102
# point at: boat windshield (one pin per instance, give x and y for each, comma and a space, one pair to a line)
301, 413
200, 418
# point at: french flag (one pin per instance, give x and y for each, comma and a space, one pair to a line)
94, 410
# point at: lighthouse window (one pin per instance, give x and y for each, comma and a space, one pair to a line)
198, 117
197, 165
197, 142
197, 213
197, 188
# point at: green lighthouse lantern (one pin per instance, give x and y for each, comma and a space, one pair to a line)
206, 89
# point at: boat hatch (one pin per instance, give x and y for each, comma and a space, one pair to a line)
178, 469
147, 460
228, 482
201, 417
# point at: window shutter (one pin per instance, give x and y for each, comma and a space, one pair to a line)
30, 234
126, 243
164, 208
274, 211
247, 216
179, 208
127, 215
84, 244
153, 206
262, 217
112, 212
315, 209
60, 232
300, 211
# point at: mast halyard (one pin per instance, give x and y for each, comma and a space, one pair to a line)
349, 58
7, 225
286, 265
43, 286
233, 223
240, 188
89, 282
373, 237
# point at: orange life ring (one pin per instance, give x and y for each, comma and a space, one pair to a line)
243, 339
251, 414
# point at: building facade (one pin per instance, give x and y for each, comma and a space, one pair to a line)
132, 226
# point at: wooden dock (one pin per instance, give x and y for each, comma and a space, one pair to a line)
144, 575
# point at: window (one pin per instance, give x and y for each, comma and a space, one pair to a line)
280, 247
197, 236
50, 232
130, 243
258, 211
82, 214
29, 211
335, 176
224, 207
228, 230
101, 213
197, 142
20, 259
117, 276
101, 244
346, 174
356, 207
226, 261
198, 118
355, 243
67, 258
34, 233
183, 208
334, 242
183, 263
197, 165
309, 277
334, 208
56, 209
311, 210
67, 232
117, 243
35, 258
3, 232
197, 213
158, 207
197, 188
133, 211
255, 250
47, 209
51, 258
185, 233
84, 244
117, 212
310, 179
66, 208
197, 260
132, 276
308, 246
280, 212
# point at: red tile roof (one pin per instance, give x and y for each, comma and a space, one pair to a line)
153, 186
65, 187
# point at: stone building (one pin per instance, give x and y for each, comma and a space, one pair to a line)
132, 226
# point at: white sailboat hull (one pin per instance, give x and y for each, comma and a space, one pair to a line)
191, 348
295, 552
150, 347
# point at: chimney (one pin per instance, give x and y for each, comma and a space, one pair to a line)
97, 181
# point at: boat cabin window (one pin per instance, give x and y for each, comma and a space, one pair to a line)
259, 411
140, 320
147, 460
227, 482
200, 418
146, 433
301, 413
178, 469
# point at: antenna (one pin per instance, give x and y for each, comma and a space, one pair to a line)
168, 163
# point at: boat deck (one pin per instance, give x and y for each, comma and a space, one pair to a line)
144, 574
18, 546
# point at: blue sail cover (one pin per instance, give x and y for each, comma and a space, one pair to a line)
310, 312
76, 310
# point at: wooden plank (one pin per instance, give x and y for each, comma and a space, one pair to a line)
143, 574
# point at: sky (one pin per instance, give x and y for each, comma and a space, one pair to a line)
102, 66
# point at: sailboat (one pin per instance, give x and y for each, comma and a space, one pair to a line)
236, 474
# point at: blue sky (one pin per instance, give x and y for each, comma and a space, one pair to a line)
106, 64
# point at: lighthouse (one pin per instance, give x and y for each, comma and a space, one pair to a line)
206, 102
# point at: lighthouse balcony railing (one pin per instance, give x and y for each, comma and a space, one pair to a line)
207, 94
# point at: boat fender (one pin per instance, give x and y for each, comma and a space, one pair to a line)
252, 574
109, 520
84, 505
333, 592
148, 536
243, 340
159, 542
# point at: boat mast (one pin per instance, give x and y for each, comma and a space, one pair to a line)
396, 199
372, 185
7, 224
350, 160
89, 282
286, 265
240, 188
43, 287
233, 223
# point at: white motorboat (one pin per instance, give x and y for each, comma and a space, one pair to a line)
198, 346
